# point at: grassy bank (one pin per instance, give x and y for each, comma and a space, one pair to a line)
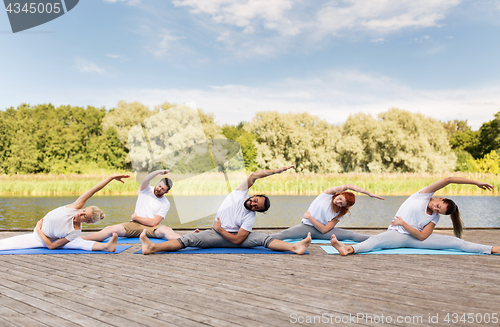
288, 183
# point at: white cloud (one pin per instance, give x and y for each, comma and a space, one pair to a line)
250, 28
380, 40
332, 97
127, 2
87, 66
165, 44
120, 58
294, 17
382, 16
248, 14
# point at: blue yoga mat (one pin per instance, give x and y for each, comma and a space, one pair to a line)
316, 241
331, 250
255, 250
119, 248
134, 240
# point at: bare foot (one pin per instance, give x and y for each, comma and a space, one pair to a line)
196, 231
341, 247
111, 245
301, 246
495, 249
147, 245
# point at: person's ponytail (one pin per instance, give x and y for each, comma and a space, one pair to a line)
458, 225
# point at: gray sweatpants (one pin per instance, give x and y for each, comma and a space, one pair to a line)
211, 239
394, 239
300, 231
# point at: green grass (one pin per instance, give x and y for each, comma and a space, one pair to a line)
287, 184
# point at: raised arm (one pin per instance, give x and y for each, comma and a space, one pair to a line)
150, 176
436, 186
80, 202
250, 180
345, 187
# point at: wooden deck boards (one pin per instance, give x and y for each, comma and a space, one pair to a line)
128, 289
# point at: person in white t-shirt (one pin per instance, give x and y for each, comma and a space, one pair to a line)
414, 223
233, 224
150, 209
61, 227
324, 213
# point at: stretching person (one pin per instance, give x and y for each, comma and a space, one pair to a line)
324, 213
233, 225
414, 223
61, 227
150, 209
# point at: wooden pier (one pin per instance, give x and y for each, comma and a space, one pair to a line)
317, 289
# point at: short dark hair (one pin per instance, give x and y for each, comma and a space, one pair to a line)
267, 203
168, 182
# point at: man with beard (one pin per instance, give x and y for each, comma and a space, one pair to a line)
233, 224
150, 209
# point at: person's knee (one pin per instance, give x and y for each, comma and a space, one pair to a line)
114, 228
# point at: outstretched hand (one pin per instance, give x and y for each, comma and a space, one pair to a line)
120, 177
285, 169
376, 196
485, 186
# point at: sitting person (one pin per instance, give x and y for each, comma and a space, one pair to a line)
233, 224
150, 209
414, 223
61, 227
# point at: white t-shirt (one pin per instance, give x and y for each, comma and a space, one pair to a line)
414, 212
58, 223
148, 205
321, 209
233, 214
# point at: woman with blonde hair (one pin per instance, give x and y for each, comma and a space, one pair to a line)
414, 223
324, 213
61, 227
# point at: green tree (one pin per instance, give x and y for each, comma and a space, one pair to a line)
489, 136
490, 163
398, 141
246, 141
302, 140
454, 127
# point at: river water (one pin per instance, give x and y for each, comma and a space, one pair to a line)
199, 211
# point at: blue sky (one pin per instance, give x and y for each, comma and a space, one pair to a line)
233, 58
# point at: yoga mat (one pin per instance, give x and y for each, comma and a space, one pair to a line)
331, 250
316, 241
119, 248
255, 250
134, 240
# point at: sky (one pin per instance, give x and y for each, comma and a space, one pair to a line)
234, 58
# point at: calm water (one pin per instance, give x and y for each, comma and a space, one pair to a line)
199, 211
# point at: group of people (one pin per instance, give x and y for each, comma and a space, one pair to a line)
412, 226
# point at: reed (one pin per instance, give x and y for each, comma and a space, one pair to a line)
214, 183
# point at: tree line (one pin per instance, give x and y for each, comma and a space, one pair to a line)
69, 139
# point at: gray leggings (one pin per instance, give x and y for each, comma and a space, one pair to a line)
394, 239
211, 239
300, 231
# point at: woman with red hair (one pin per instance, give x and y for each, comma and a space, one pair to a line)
324, 214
